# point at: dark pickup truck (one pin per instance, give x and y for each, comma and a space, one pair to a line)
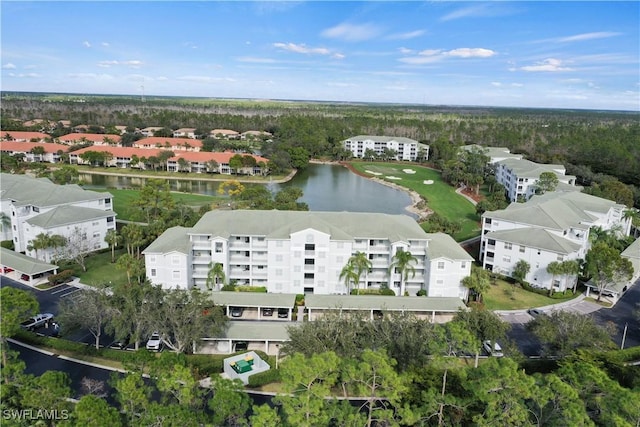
36, 321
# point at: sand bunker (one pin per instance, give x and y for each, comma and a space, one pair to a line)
428, 182
392, 177
373, 173
410, 171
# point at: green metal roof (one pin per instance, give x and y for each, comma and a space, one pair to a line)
254, 299
555, 210
276, 224
379, 302
23, 263
381, 138
444, 246
632, 253
256, 331
68, 214
492, 152
25, 190
528, 169
174, 239
535, 238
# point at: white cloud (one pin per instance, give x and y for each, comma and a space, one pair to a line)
301, 48
104, 44
90, 76
206, 79
588, 36
517, 84
352, 32
130, 64
25, 75
434, 55
406, 36
86, 44
548, 65
405, 51
496, 84
466, 52
340, 84
9, 66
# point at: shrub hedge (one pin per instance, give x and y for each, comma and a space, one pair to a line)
262, 378
61, 277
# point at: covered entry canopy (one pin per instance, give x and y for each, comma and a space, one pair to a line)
266, 336
24, 264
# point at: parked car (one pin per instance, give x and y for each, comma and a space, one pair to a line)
283, 313
267, 311
236, 311
25, 277
155, 342
535, 312
36, 321
492, 350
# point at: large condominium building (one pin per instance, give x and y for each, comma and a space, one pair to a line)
495, 154
547, 228
305, 252
520, 177
405, 148
36, 206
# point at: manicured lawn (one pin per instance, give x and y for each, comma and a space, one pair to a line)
440, 196
504, 296
99, 270
123, 201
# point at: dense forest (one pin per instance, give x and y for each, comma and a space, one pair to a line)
589, 143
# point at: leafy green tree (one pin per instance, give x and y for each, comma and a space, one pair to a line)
133, 235
235, 163
562, 333
402, 263
547, 182
520, 270
178, 384
307, 381
65, 175
374, 377
215, 274
50, 391
483, 324
478, 281
229, 403
606, 267
131, 265
554, 402
134, 306
287, 199
92, 411
90, 310
154, 199
133, 395
264, 416
16, 306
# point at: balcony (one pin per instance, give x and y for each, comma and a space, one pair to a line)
201, 259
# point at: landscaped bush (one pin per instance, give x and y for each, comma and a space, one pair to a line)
61, 277
421, 293
266, 377
556, 295
7, 244
299, 300
261, 289
206, 365
383, 291
229, 288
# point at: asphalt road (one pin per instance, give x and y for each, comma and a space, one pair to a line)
623, 314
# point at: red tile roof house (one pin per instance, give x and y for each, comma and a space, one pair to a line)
95, 138
121, 156
14, 135
173, 144
51, 150
199, 162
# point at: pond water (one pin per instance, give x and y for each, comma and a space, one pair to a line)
325, 188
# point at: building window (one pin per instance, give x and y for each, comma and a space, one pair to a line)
491, 242
440, 265
308, 275
175, 274
463, 264
309, 261
279, 258
506, 258
440, 282
560, 258
507, 245
175, 260
309, 247
218, 247
522, 249
487, 221
152, 259
153, 272
35, 209
296, 269
96, 234
278, 243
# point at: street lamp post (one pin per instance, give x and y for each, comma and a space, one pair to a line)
277, 354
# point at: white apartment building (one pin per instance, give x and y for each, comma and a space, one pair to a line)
405, 148
520, 176
495, 154
547, 228
37, 206
304, 252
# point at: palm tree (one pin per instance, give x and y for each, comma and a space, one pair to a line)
113, 238
356, 266
555, 268
216, 271
41, 241
401, 262
5, 221
348, 273
57, 241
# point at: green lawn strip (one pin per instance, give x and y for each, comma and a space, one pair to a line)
440, 196
99, 269
123, 201
178, 175
504, 296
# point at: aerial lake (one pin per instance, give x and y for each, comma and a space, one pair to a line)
325, 188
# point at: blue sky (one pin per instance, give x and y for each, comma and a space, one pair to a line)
524, 54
